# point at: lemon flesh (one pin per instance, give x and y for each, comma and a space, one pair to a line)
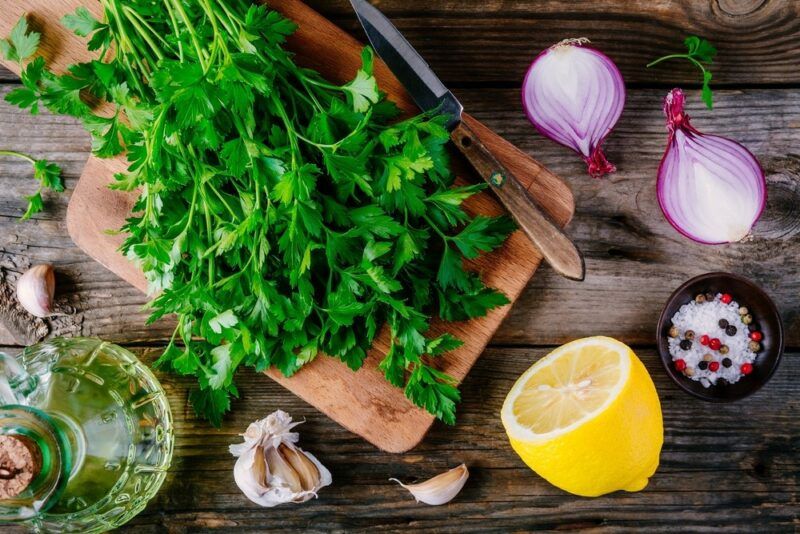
587, 418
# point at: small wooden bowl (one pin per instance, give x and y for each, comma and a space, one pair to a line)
764, 313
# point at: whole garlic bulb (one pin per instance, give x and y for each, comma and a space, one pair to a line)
271, 469
35, 290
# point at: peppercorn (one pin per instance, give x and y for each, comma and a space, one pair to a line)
685, 344
709, 297
743, 310
713, 367
731, 330
714, 344
689, 334
755, 346
673, 331
724, 349
747, 318
702, 365
723, 323
727, 362
726, 298
704, 339
747, 368
756, 336
721, 382
689, 371
700, 298
680, 365
707, 357
752, 327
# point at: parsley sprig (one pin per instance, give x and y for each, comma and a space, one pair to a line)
701, 54
47, 174
281, 216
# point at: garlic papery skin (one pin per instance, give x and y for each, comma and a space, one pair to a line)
440, 489
271, 469
35, 290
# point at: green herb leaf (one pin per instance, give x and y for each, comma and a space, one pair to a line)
81, 22
21, 43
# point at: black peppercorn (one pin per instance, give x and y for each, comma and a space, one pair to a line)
686, 344
726, 362
709, 297
730, 330
721, 382
753, 327
723, 323
703, 365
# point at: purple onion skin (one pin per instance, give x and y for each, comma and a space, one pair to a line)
739, 161
585, 139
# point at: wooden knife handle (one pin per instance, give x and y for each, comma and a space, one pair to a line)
557, 249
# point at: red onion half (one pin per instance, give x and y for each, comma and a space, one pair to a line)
711, 189
574, 95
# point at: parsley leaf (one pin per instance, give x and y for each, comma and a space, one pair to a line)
21, 43
81, 22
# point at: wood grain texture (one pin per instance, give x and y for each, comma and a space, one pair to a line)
730, 468
364, 402
724, 468
494, 41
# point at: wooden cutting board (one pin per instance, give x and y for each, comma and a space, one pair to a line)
362, 401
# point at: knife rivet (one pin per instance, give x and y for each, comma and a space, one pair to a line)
497, 179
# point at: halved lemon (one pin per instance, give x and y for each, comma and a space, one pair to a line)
587, 418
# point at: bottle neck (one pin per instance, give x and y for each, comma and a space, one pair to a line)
35, 462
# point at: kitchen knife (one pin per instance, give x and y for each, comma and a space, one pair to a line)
430, 93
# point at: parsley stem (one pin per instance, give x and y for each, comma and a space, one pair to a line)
678, 56
202, 57
139, 23
15, 154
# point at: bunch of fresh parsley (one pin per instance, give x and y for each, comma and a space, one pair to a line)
281, 216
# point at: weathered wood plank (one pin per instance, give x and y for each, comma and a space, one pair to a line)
482, 41
722, 466
627, 242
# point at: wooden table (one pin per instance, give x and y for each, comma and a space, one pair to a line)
734, 467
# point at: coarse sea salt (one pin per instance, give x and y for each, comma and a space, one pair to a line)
703, 319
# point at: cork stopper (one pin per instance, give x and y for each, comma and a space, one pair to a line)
20, 462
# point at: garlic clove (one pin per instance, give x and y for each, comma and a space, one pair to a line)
306, 471
35, 290
282, 470
440, 489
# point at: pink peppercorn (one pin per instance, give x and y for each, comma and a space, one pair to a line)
756, 336
704, 339
680, 365
726, 298
713, 367
714, 344
747, 368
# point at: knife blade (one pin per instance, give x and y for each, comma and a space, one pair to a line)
429, 93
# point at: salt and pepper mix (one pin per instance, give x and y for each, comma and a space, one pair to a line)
714, 340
